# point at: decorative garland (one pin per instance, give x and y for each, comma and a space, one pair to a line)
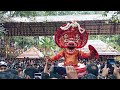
73, 24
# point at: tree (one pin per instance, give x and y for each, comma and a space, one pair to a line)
22, 42
45, 13
117, 40
47, 43
115, 16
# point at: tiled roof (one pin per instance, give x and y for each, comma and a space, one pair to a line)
101, 47
31, 53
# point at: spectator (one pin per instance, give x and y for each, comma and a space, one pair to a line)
27, 69
35, 66
92, 72
40, 69
3, 75
11, 74
89, 76
3, 66
104, 74
12, 71
45, 76
20, 71
29, 73
93, 69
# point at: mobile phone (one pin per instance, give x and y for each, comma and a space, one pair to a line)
110, 62
37, 75
110, 65
59, 70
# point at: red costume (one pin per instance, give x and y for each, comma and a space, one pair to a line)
70, 37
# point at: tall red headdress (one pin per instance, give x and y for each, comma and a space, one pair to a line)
71, 30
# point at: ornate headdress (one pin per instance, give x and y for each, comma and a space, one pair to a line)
72, 30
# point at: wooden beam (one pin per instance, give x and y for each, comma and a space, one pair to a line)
49, 28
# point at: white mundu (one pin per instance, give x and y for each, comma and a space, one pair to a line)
79, 65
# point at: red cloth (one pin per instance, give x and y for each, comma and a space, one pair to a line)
80, 70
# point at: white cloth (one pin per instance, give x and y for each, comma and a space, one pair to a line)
61, 64
79, 65
3, 63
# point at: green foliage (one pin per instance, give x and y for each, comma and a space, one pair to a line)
92, 37
115, 16
22, 42
47, 42
48, 13
117, 40
105, 13
26, 13
45, 13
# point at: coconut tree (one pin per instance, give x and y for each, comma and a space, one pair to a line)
48, 44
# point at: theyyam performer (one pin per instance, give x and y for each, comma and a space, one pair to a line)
70, 37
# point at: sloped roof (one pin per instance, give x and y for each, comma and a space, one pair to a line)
31, 53
101, 47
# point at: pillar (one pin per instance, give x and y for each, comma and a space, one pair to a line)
6, 46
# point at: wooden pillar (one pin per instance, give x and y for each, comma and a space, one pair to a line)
6, 46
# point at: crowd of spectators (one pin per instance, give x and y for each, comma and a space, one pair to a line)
42, 69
